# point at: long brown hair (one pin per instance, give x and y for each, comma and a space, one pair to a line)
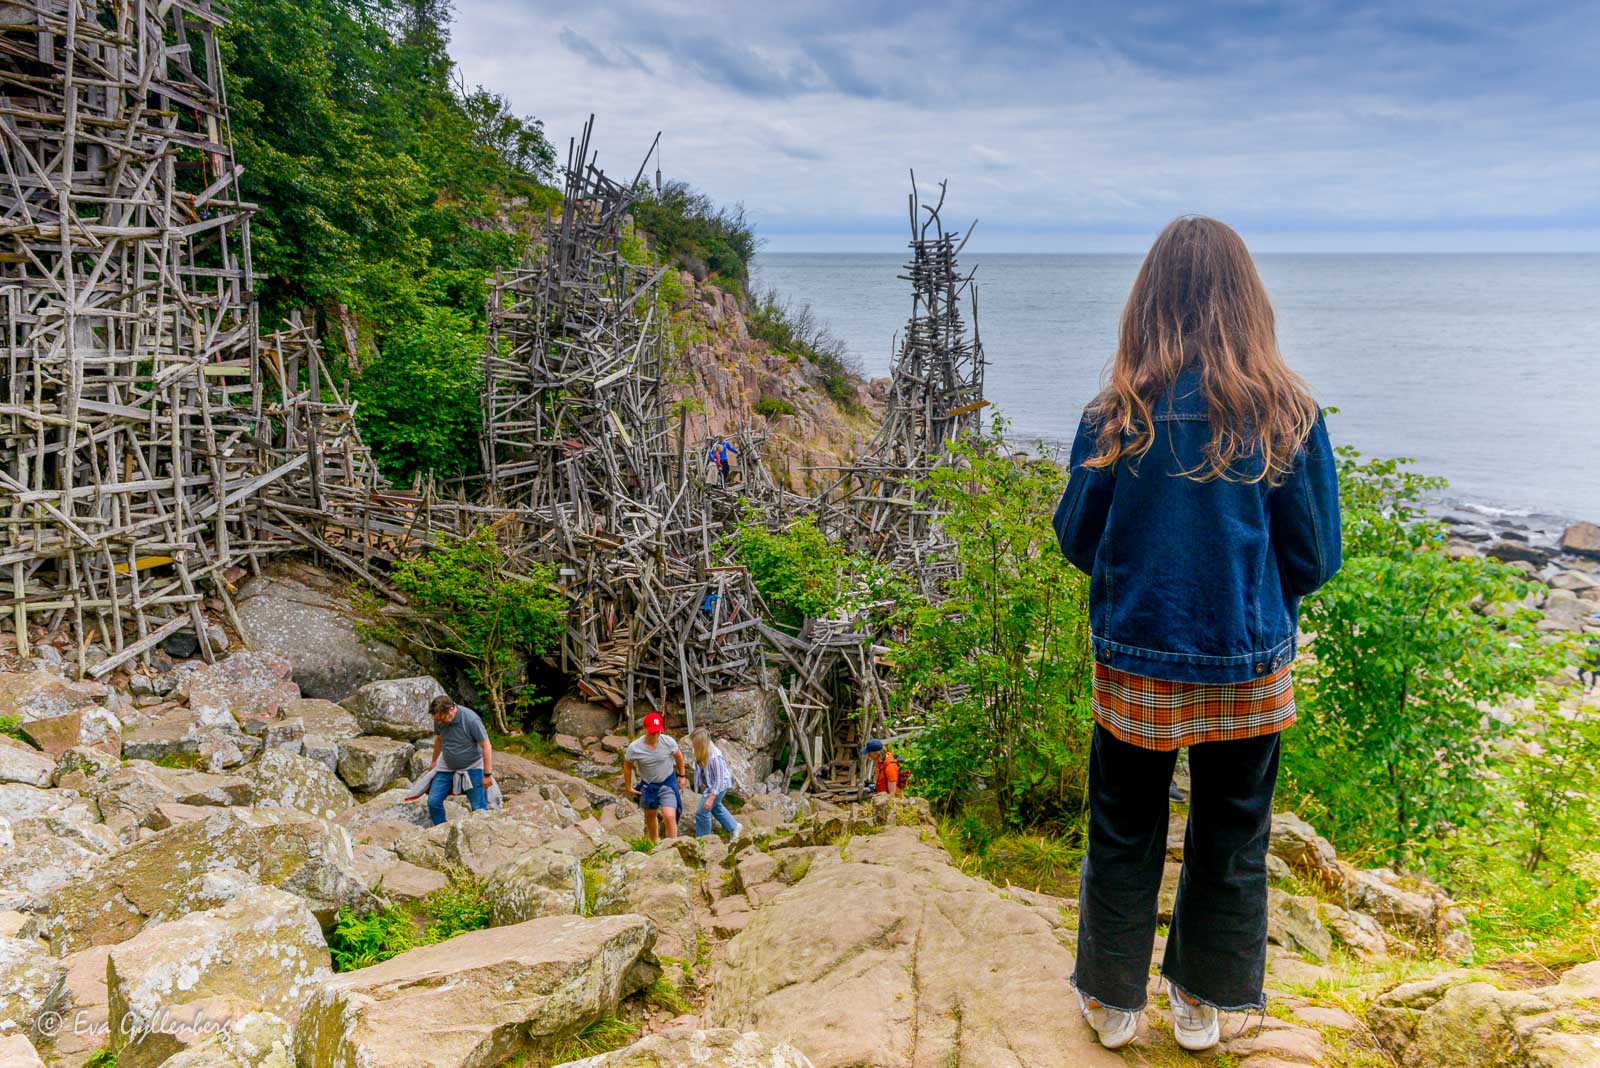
1198, 301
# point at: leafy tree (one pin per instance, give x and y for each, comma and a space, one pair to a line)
799, 572
1407, 643
420, 398
1003, 662
471, 603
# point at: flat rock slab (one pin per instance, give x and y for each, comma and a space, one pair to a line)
479, 998
264, 947
920, 965
165, 876
694, 1048
396, 708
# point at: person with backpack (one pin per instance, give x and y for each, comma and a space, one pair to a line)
889, 775
1203, 502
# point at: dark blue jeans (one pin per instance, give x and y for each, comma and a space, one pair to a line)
439, 789
1217, 943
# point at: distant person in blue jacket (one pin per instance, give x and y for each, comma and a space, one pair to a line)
719, 455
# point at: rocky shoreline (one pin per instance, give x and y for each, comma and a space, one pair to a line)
1566, 562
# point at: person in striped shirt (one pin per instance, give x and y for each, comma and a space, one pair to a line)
712, 781
1202, 500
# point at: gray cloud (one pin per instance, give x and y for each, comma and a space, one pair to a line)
1318, 117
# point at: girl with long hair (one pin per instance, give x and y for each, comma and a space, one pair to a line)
712, 781
1203, 502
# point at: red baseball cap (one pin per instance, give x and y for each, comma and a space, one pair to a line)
653, 724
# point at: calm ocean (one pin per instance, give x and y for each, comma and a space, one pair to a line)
1483, 368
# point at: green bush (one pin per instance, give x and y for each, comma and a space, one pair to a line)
362, 939
420, 398
773, 406
798, 570
472, 603
1406, 644
1002, 663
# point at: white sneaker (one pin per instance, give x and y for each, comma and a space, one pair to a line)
738, 829
1194, 1026
1115, 1027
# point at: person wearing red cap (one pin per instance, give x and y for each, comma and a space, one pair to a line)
657, 762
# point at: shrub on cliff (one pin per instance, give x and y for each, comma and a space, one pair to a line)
1407, 643
686, 228
420, 397
797, 332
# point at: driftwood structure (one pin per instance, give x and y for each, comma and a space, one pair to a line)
577, 440
158, 445
129, 409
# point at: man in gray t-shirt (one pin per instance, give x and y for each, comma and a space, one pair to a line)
460, 743
657, 763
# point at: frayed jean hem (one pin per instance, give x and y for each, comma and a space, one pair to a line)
1102, 1002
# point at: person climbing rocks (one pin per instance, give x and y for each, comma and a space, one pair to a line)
461, 743
885, 768
1202, 499
712, 781
719, 455
655, 760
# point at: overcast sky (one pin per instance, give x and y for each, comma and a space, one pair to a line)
1062, 127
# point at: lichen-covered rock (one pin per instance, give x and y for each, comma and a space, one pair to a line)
1299, 845
893, 958
1293, 922
41, 694
22, 763
1415, 907
165, 876
388, 807
33, 873
480, 842
1459, 1021
82, 1004
243, 685
323, 719
396, 708
19, 801
254, 1040
658, 885
689, 1047
370, 763
203, 788
27, 976
1363, 934
288, 780
546, 881
478, 998
304, 619
265, 948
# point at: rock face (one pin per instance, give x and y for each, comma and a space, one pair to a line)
239, 686
582, 719
893, 958
166, 876
744, 724
693, 1048
370, 763
27, 976
396, 708
1452, 1021
20, 762
296, 782
265, 948
658, 885
255, 1040
1581, 538
303, 617
478, 998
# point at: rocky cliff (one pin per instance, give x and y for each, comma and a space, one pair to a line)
725, 378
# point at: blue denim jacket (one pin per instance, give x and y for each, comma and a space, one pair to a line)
1197, 581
